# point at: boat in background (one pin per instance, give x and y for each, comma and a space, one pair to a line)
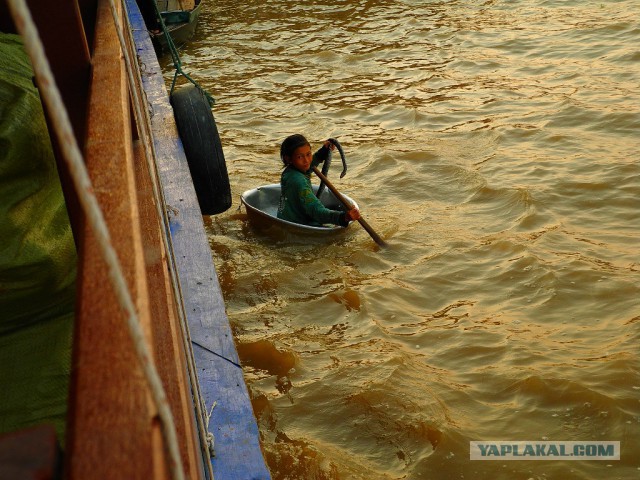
180, 18
262, 209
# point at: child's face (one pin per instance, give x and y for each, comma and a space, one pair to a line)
301, 158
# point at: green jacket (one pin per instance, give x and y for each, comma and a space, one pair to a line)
299, 204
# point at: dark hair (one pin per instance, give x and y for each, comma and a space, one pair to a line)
290, 144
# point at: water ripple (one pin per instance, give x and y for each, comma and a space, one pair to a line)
494, 144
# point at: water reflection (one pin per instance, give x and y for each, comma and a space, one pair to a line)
493, 145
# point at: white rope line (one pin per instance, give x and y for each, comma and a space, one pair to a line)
89, 203
143, 120
211, 440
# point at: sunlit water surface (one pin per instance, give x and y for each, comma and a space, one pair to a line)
495, 145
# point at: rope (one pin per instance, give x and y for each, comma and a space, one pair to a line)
143, 121
211, 441
177, 64
91, 207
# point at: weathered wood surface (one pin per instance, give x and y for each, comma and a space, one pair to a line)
114, 431
237, 449
70, 60
113, 427
166, 333
111, 416
68, 54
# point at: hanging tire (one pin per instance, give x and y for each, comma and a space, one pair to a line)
202, 146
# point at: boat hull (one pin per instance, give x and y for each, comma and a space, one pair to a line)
262, 202
181, 25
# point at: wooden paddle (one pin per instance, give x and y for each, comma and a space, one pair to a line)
348, 206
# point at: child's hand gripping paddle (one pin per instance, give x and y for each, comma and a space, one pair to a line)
348, 206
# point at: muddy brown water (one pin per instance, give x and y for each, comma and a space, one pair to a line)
495, 146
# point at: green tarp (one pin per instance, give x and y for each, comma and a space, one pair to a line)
37, 257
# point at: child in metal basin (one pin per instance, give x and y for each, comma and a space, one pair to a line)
297, 202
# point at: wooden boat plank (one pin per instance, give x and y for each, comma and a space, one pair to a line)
168, 338
109, 401
169, 354
238, 454
70, 61
113, 429
68, 54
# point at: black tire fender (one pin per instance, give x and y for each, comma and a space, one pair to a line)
202, 146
